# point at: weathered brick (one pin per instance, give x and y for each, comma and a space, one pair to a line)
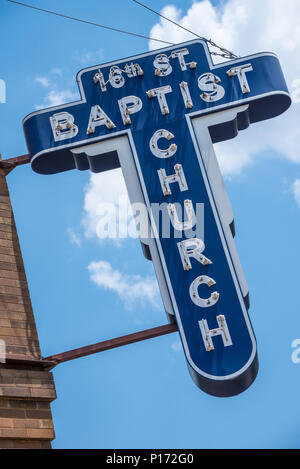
9, 251
5, 205
31, 349
6, 211
20, 341
4, 273
41, 433
6, 423
15, 316
30, 444
33, 383
4, 403
35, 374
38, 413
13, 413
5, 220
48, 394
25, 391
3, 185
7, 444
5, 323
15, 308
9, 371
42, 405
17, 291
11, 244
12, 267
12, 235
8, 229
22, 324
7, 380
14, 392
20, 404
13, 433
12, 259
14, 299
14, 331
32, 423
48, 423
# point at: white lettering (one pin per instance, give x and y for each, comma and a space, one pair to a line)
240, 72
196, 299
184, 88
99, 78
209, 83
165, 180
222, 330
116, 78
133, 70
162, 65
97, 118
193, 247
162, 133
179, 54
191, 217
129, 105
63, 126
160, 94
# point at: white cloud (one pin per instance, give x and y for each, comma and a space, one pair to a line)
296, 190
131, 289
89, 57
56, 97
44, 81
56, 71
248, 27
74, 238
176, 346
57, 93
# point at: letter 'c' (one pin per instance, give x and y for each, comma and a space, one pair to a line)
155, 150
203, 303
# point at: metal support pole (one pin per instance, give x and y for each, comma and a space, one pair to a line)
9, 164
110, 344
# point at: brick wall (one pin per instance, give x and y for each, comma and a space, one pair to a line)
25, 391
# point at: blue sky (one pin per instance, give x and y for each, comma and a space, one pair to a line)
141, 395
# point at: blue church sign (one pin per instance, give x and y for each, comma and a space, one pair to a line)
157, 116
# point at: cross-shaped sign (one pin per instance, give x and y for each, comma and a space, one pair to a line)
157, 115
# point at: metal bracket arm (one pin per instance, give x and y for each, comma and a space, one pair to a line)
9, 164
53, 360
